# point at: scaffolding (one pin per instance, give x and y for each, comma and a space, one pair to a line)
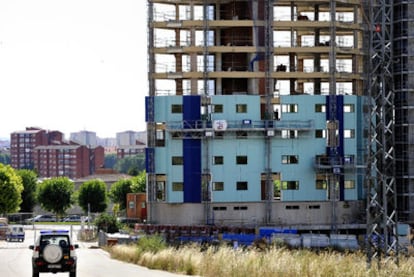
382, 238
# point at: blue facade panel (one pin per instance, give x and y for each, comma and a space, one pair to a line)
192, 151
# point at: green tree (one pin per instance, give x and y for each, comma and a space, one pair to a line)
55, 194
110, 160
93, 192
4, 158
139, 182
118, 192
130, 164
11, 188
107, 223
29, 179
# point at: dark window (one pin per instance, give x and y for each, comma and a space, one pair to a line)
176, 108
290, 185
218, 160
241, 185
241, 160
177, 160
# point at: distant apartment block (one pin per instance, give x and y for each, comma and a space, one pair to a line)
73, 161
130, 143
51, 156
22, 144
130, 138
84, 138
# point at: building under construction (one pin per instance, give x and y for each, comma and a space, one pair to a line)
263, 113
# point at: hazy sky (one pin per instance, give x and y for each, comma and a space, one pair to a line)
73, 65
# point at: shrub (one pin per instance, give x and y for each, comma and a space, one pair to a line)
151, 244
107, 223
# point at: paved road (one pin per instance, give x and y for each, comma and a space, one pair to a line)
15, 261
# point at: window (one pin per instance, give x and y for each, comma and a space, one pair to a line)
177, 186
349, 184
177, 160
238, 208
241, 108
349, 108
320, 108
218, 160
321, 133
289, 108
218, 108
321, 184
241, 134
218, 186
160, 138
241, 185
176, 108
349, 133
290, 159
160, 191
288, 134
241, 160
290, 185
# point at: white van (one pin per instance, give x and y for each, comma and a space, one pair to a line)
15, 233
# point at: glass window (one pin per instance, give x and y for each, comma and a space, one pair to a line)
218, 186
241, 185
349, 108
321, 184
241, 160
177, 186
288, 134
218, 108
241, 108
290, 185
320, 108
289, 108
176, 108
177, 160
321, 133
349, 133
290, 159
349, 184
218, 160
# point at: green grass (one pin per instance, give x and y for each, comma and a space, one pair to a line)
225, 261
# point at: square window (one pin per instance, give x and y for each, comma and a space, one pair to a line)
320, 108
241, 185
349, 133
349, 108
241, 108
218, 108
176, 108
241, 160
177, 160
218, 186
177, 186
320, 133
218, 160
349, 184
321, 184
